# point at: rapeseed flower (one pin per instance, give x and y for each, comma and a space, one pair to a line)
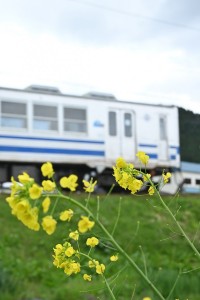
66, 215
89, 185
30, 218
121, 163
22, 206
69, 251
48, 185
35, 191
74, 235
25, 178
49, 224
92, 242
93, 263
151, 190
71, 267
100, 268
85, 224
114, 258
45, 204
135, 185
58, 249
87, 277
47, 170
166, 177
16, 186
143, 157
12, 201
69, 182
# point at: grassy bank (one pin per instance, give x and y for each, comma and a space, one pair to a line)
144, 230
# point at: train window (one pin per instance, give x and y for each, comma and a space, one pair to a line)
13, 114
45, 117
163, 128
112, 121
197, 181
187, 180
128, 125
75, 120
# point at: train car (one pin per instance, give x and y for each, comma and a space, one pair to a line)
83, 134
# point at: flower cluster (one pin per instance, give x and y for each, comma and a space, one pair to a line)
129, 178
73, 261
31, 203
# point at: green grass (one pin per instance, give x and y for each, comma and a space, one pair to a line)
26, 270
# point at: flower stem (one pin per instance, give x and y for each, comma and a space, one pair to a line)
108, 287
190, 243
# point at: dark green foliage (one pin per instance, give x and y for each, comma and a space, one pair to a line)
189, 124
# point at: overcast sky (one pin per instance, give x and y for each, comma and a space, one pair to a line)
139, 50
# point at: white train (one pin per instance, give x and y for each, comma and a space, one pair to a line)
83, 134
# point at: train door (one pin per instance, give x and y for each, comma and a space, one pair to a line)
120, 140
163, 140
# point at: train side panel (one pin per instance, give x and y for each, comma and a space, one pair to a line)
78, 131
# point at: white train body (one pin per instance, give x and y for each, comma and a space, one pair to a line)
38, 126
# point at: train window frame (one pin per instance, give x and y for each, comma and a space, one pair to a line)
75, 124
45, 120
18, 121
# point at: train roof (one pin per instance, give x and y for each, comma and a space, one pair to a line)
50, 90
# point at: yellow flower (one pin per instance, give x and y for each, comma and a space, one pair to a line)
146, 298
117, 174
30, 218
89, 185
66, 215
74, 235
69, 182
151, 190
22, 206
143, 157
76, 267
49, 224
58, 249
146, 177
87, 277
25, 178
100, 269
45, 204
16, 186
47, 170
35, 191
93, 263
92, 242
12, 201
114, 258
48, 185
135, 185
71, 267
166, 177
85, 224
125, 179
69, 251
120, 163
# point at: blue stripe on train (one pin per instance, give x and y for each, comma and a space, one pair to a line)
51, 151
49, 139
